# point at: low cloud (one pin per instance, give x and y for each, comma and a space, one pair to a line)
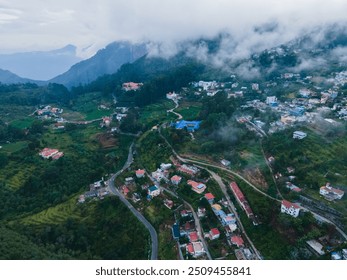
254, 25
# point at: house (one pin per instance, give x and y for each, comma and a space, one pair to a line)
225, 162
140, 173
316, 246
125, 190
81, 199
168, 203
290, 208
210, 198
119, 117
102, 192
331, 193
197, 187
237, 240
136, 197
193, 236
158, 175
47, 153
165, 166
241, 199
106, 121
196, 249
189, 227
214, 233
271, 100
59, 125
172, 96
186, 213
255, 86
188, 169
153, 191
228, 219
286, 119
216, 207
191, 126
58, 156
290, 170
231, 227
292, 187
131, 86
201, 212
176, 180
299, 135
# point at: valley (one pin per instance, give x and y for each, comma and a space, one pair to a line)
173, 159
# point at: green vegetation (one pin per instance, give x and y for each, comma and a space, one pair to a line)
189, 110
152, 150
94, 231
154, 114
14, 147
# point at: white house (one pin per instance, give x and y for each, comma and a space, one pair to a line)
271, 99
331, 193
290, 208
299, 135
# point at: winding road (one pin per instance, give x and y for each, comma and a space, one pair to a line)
138, 215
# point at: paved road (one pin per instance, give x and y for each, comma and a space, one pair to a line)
186, 160
233, 209
195, 216
138, 215
172, 110
265, 194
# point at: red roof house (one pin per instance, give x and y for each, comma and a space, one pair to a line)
140, 173
193, 236
209, 197
214, 233
237, 240
176, 179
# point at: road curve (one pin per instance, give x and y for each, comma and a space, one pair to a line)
138, 215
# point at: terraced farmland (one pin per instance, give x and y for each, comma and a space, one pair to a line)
54, 215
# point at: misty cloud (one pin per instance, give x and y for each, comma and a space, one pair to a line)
255, 25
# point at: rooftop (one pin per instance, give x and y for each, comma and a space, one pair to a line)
288, 204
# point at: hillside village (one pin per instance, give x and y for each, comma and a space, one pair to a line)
234, 168
307, 106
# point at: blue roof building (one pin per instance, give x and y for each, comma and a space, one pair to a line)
298, 111
176, 231
191, 126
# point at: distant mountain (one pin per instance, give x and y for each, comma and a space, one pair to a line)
40, 65
105, 61
7, 77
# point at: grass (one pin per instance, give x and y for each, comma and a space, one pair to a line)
87, 107
23, 123
189, 111
14, 147
156, 113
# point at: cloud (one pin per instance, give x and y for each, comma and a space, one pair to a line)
255, 24
8, 15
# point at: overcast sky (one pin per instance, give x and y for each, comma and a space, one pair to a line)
27, 25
